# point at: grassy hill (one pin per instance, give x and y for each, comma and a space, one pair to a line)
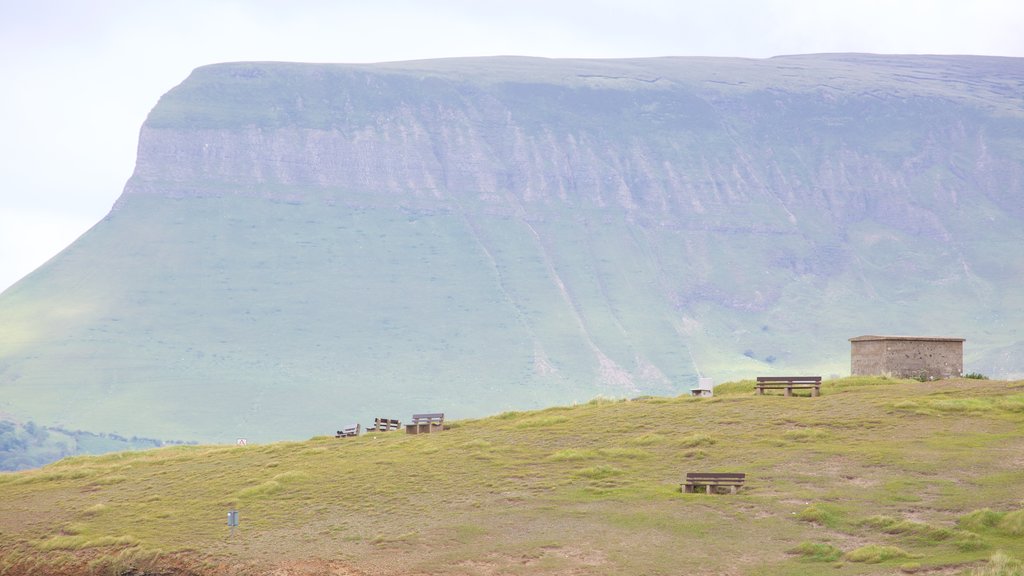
876, 476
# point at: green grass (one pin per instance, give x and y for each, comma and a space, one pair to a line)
851, 483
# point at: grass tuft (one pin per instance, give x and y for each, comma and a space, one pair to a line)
874, 554
1000, 564
1012, 523
79, 542
817, 552
824, 514
987, 520
573, 454
978, 520
624, 453
646, 440
696, 440
541, 422
919, 530
268, 488
969, 541
95, 509
599, 472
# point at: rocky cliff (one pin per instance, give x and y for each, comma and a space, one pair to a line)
306, 245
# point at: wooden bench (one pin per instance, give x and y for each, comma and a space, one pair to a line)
789, 383
384, 425
425, 423
348, 431
711, 481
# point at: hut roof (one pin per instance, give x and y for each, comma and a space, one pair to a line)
907, 338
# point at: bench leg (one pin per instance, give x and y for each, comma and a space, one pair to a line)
815, 391
760, 391
733, 489
789, 391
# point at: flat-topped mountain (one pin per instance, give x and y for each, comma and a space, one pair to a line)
306, 245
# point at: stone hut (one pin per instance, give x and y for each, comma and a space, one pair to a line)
907, 356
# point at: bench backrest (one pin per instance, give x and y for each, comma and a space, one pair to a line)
350, 430
715, 476
386, 423
789, 379
437, 417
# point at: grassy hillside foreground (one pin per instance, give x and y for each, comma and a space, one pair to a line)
874, 477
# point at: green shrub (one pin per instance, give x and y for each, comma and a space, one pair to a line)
975, 376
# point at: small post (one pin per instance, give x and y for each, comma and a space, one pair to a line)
232, 521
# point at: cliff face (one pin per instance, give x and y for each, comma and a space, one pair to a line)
303, 245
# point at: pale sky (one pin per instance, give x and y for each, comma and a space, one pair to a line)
80, 76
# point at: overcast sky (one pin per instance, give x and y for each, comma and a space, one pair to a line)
80, 76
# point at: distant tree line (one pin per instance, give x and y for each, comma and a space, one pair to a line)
29, 445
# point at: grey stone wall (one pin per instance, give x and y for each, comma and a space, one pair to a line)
930, 358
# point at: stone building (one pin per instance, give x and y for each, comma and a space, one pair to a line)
907, 356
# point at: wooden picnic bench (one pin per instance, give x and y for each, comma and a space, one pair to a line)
348, 431
425, 423
789, 383
384, 425
711, 481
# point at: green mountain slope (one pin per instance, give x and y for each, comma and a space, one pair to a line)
303, 246
873, 477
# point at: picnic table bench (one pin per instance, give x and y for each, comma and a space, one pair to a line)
384, 425
425, 423
713, 480
789, 383
348, 431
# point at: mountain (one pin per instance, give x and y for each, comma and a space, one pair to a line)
875, 476
302, 246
